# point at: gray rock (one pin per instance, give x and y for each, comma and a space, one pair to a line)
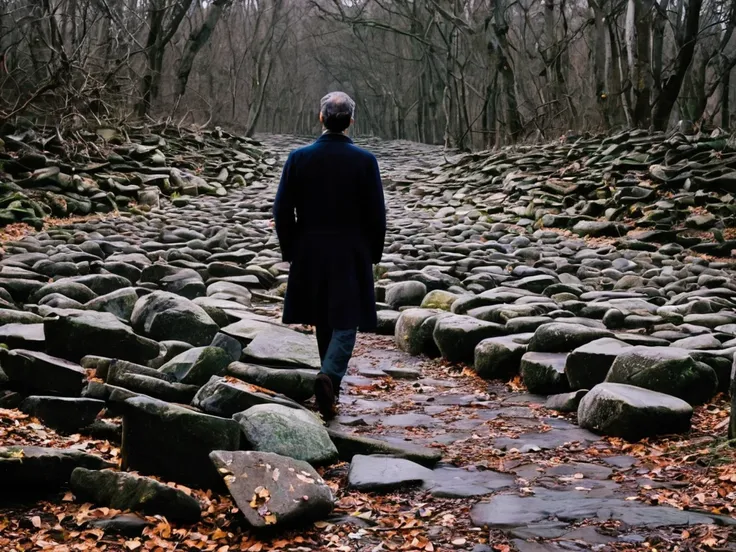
457, 336
379, 473
228, 396
439, 299
414, 331
500, 357
162, 316
561, 337
290, 382
23, 469
229, 344
632, 412
65, 414
196, 366
272, 490
386, 322
667, 370
286, 431
507, 510
174, 442
544, 373
73, 335
406, 294
124, 491
276, 346
566, 402
39, 372
350, 444
120, 303
588, 365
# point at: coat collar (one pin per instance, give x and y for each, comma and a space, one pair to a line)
334, 137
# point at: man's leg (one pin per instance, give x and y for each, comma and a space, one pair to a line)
335, 363
334, 366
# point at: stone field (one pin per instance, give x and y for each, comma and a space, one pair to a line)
553, 367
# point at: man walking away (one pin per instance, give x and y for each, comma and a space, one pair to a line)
330, 219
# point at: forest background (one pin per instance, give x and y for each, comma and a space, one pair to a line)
471, 74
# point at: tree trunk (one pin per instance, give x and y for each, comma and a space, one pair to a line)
638, 30
600, 65
725, 100
155, 24
671, 88
196, 41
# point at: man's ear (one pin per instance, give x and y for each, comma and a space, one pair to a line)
321, 118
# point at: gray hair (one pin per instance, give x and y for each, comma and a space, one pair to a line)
336, 106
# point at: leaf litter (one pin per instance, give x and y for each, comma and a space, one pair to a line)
695, 471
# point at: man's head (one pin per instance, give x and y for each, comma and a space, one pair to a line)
336, 111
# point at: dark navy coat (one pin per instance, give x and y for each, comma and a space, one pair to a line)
330, 219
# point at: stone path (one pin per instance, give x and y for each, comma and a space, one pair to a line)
169, 322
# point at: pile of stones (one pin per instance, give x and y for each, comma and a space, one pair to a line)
581, 266
161, 331
598, 187
45, 174
169, 320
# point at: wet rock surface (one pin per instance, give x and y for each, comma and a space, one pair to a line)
506, 278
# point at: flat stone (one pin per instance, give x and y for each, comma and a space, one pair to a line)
24, 469
272, 490
504, 511
124, 491
378, 473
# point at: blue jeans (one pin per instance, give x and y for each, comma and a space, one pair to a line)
335, 350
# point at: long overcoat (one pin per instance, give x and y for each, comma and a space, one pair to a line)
330, 219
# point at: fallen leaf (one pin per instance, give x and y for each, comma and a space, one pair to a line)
36, 521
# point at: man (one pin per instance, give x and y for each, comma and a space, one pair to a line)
330, 219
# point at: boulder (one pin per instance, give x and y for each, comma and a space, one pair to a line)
630, 412
350, 444
41, 469
196, 366
298, 434
120, 302
500, 357
174, 442
73, 335
406, 294
439, 299
64, 414
292, 382
72, 290
589, 364
42, 373
227, 396
272, 490
414, 329
562, 337
457, 336
566, 402
544, 373
165, 316
125, 491
280, 346
667, 370
386, 321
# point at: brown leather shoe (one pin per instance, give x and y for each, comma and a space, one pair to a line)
325, 395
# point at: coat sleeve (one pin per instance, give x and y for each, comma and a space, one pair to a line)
376, 212
284, 211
